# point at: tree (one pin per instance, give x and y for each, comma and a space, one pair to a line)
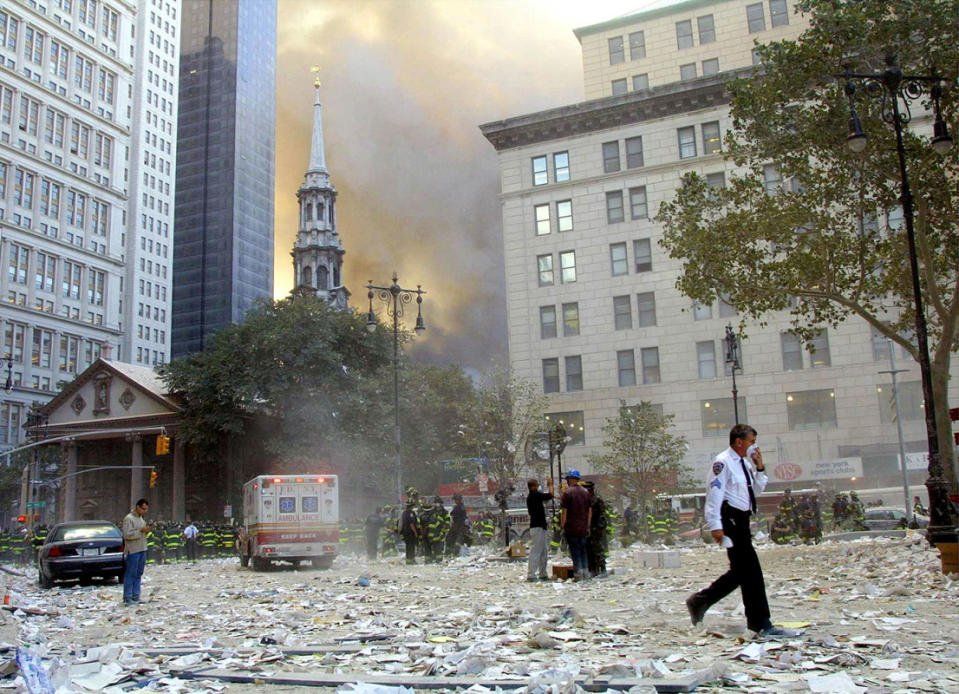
808, 227
641, 455
496, 423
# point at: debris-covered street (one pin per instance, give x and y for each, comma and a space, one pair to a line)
877, 615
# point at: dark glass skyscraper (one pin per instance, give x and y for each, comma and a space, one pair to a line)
223, 226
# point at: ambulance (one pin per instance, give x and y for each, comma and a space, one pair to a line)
289, 518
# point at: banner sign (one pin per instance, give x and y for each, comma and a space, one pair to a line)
917, 461
818, 470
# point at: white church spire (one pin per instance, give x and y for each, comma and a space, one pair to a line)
317, 153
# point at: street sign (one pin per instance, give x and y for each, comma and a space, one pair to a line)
228, 511
36, 504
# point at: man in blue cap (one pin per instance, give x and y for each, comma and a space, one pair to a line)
575, 518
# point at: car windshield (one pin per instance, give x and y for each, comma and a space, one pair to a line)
87, 532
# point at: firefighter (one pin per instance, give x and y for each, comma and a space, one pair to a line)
661, 525
172, 541
485, 528
856, 512
389, 532
782, 533
438, 529
207, 541
426, 513
153, 547
227, 541
38, 539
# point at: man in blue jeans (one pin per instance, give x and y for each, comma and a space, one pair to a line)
575, 518
135, 531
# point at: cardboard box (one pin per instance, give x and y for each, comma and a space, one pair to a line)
562, 571
666, 559
518, 550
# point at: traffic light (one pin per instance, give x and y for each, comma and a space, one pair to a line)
153, 478
21, 519
163, 444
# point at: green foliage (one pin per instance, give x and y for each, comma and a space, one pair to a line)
641, 455
821, 245
497, 423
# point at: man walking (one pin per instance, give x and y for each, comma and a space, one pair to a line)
575, 519
374, 524
135, 531
410, 530
536, 566
737, 477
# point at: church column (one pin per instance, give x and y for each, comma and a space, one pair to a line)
179, 479
136, 472
68, 452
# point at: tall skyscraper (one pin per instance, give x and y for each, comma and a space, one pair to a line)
318, 251
223, 244
86, 123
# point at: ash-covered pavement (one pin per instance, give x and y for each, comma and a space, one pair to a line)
881, 618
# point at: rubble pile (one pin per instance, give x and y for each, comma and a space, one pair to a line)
876, 615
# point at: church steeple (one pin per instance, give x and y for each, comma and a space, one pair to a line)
318, 251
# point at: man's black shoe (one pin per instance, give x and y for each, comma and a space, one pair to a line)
773, 632
696, 609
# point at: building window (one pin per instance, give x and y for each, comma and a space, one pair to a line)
544, 265
564, 215
547, 322
880, 344
561, 167
634, 152
684, 34
571, 319
610, 157
716, 180
551, 375
706, 358
726, 309
637, 203
792, 351
702, 311
819, 357
646, 303
42, 348
541, 212
626, 367
687, 142
712, 143
778, 13
619, 87
614, 206
640, 82
811, 409
772, 179
617, 259
755, 18
687, 72
650, 358
642, 252
539, 171
616, 52
10, 412
622, 313
710, 67
719, 415
707, 29
567, 266
637, 45
574, 373
911, 405
572, 422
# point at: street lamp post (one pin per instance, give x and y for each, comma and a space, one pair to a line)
396, 297
9, 382
893, 87
732, 358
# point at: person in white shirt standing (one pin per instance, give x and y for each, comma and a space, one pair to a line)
736, 478
190, 532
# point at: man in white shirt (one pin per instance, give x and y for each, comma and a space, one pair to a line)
190, 532
736, 478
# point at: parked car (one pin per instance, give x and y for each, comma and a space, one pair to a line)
81, 550
889, 518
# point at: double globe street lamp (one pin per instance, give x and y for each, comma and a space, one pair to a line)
896, 91
396, 298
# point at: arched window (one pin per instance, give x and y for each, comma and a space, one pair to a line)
307, 280
321, 277
309, 212
319, 212
336, 276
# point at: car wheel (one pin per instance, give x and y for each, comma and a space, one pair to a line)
44, 581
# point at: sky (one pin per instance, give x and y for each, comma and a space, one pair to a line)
405, 86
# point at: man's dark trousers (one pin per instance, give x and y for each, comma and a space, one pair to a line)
744, 571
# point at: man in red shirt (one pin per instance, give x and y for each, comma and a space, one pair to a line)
575, 518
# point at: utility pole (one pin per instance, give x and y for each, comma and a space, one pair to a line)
902, 449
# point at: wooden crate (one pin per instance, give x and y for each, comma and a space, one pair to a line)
562, 571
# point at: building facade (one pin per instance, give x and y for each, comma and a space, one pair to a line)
593, 312
318, 251
223, 247
148, 281
66, 108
